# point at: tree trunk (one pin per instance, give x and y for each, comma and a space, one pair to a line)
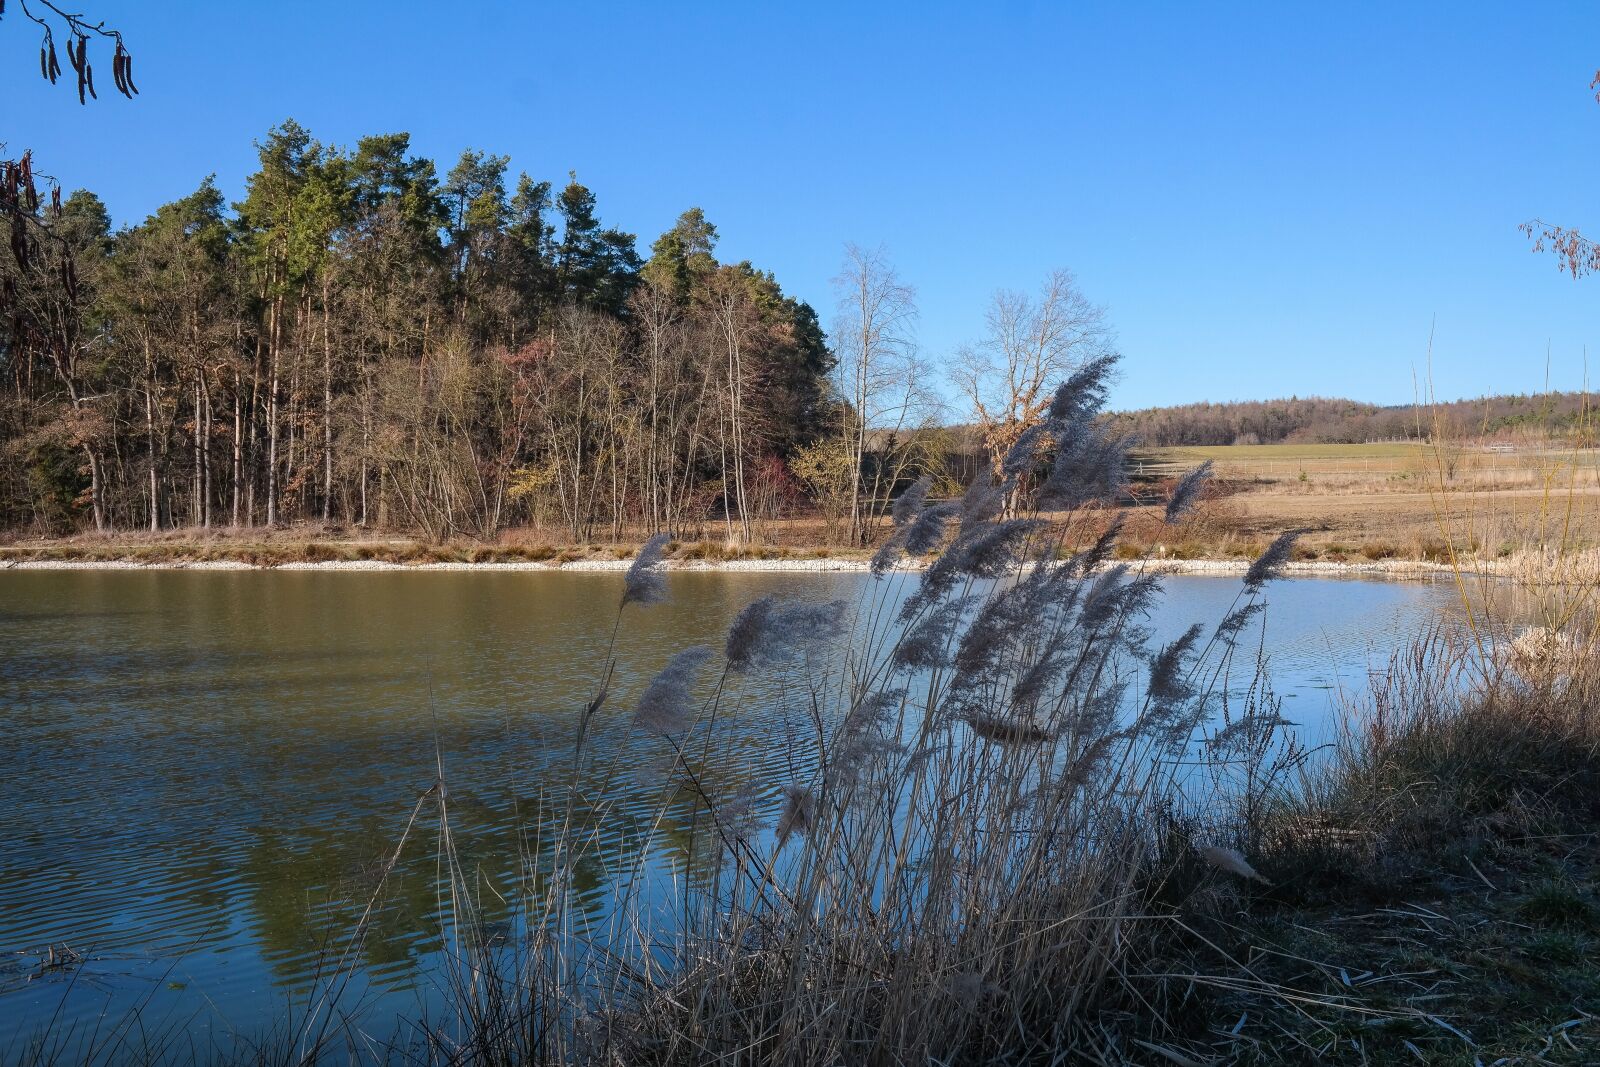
238, 443
275, 333
150, 436
327, 411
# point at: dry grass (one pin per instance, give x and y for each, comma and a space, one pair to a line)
299, 545
1432, 886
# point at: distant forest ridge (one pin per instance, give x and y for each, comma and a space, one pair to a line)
1331, 420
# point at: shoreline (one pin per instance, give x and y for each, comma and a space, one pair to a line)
1396, 569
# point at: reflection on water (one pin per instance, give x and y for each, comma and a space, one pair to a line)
205, 773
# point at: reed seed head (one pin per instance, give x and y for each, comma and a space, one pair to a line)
1187, 492
646, 580
667, 704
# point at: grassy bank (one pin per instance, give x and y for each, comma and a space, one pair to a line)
1430, 894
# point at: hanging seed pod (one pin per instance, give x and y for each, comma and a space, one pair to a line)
80, 63
19, 242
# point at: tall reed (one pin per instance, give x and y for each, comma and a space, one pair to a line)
990, 750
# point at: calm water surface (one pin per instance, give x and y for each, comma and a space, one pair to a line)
202, 773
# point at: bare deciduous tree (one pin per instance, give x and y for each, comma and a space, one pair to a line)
876, 375
1030, 343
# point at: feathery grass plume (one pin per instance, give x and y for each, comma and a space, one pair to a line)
855, 755
745, 632
739, 816
1270, 563
916, 533
667, 704
1104, 598
1021, 456
1236, 620
985, 552
1098, 714
799, 812
992, 550
768, 631
1091, 465
1082, 395
925, 645
999, 618
873, 710
1091, 558
1187, 492
925, 533
909, 503
1167, 684
1171, 713
1045, 668
862, 738
983, 500
888, 553
646, 580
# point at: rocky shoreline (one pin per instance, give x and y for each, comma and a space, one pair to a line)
1389, 568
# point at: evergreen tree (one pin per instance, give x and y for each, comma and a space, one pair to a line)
682, 257
596, 268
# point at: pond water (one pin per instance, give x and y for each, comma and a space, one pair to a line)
203, 774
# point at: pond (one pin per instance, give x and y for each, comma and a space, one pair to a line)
206, 773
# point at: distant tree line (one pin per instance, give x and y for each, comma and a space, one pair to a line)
1323, 420
359, 342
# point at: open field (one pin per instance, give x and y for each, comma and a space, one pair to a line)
1396, 466
1392, 500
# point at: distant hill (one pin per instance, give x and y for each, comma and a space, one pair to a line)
1332, 420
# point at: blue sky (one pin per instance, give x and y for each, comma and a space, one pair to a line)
1269, 199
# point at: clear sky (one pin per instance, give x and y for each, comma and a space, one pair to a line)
1270, 199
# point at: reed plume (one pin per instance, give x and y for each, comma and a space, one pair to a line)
1269, 564
799, 811
667, 704
909, 503
646, 580
1186, 494
768, 631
